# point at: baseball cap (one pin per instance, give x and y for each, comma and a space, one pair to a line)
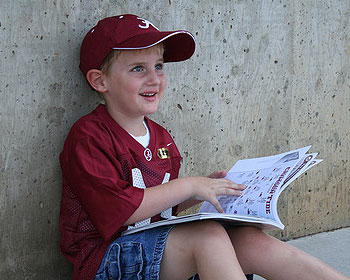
130, 32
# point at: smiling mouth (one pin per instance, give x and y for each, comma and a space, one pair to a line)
148, 94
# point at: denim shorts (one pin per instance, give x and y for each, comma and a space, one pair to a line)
136, 256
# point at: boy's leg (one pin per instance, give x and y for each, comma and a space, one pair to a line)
201, 247
262, 254
249, 277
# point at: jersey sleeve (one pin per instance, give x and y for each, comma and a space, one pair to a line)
91, 168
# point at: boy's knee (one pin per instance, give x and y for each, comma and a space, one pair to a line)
209, 231
210, 228
198, 236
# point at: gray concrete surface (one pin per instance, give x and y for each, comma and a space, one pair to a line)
267, 77
332, 248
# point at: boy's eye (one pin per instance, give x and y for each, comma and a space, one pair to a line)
159, 66
137, 69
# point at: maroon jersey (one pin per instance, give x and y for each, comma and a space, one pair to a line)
104, 173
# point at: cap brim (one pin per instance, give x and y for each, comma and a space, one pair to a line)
179, 45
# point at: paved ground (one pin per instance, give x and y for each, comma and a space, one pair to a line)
331, 247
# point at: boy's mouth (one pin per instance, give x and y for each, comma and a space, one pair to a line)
148, 94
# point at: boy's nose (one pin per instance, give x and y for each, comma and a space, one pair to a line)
153, 78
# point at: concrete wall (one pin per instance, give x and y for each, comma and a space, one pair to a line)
268, 76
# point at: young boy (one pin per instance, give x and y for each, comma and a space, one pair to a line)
120, 170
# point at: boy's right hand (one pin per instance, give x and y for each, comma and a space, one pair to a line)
208, 189
182, 190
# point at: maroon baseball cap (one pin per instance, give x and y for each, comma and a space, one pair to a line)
130, 32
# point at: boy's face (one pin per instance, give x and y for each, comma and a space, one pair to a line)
135, 82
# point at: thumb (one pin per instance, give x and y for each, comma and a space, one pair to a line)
218, 175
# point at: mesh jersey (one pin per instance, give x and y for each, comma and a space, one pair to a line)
104, 173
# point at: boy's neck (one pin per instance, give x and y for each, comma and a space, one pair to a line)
133, 126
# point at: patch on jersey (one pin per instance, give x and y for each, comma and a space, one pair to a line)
148, 154
163, 153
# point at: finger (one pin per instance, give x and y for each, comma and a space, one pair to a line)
240, 187
217, 205
235, 185
226, 183
218, 174
233, 192
230, 189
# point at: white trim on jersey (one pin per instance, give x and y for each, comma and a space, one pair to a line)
138, 182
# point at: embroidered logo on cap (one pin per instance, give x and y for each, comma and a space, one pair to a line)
146, 23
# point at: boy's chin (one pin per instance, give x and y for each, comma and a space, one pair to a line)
151, 109
150, 112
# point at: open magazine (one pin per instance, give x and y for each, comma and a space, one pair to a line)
265, 178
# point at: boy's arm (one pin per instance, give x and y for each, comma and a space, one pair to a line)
159, 198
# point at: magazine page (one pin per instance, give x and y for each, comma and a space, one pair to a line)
306, 163
263, 177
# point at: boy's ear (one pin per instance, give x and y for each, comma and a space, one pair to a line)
96, 81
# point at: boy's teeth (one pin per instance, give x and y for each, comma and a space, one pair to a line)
148, 94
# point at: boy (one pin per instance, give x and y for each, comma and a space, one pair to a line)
120, 169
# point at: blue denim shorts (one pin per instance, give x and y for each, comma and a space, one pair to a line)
136, 256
